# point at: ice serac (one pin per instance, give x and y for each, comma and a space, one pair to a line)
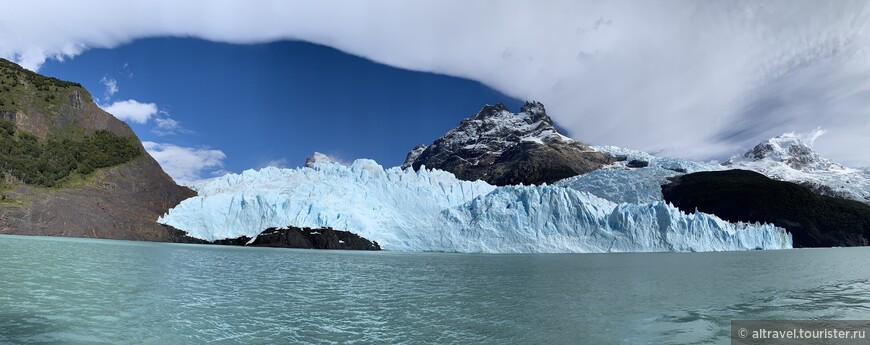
790, 157
554, 219
363, 198
432, 210
504, 148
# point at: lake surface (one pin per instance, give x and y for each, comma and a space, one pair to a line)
101, 291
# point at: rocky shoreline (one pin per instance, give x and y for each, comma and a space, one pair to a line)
295, 237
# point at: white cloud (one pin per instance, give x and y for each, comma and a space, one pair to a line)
111, 87
809, 138
125, 69
218, 173
131, 110
278, 163
186, 165
697, 79
165, 125
135, 111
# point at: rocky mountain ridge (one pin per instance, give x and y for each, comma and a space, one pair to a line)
121, 201
504, 148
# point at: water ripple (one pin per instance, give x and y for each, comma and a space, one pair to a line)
93, 291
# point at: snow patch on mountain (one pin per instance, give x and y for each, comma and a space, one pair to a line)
412, 156
431, 210
504, 148
495, 129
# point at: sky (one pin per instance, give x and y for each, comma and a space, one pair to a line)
693, 79
203, 108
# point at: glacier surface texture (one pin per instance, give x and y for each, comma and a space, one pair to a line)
431, 210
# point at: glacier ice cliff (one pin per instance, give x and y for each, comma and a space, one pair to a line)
431, 210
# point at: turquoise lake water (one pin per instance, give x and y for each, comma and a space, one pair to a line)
60, 290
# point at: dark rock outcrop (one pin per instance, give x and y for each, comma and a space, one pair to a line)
319, 158
739, 195
118, 202
634, 163
307, 238
503, 148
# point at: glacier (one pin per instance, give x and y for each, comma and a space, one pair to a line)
622, 184
669, 163
787, 157
431, 210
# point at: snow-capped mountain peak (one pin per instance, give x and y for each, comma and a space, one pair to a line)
319, 158
502, 148
794, 150
790, 157
495, 128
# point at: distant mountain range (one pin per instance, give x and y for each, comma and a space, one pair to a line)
71, 169
617, 204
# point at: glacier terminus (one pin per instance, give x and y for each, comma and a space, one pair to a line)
432, 210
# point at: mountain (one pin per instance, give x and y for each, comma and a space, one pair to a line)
413, 155
504, 148
740, 195
815, 216
432, 210
788, 157
71, 169
636, 176
318, 158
